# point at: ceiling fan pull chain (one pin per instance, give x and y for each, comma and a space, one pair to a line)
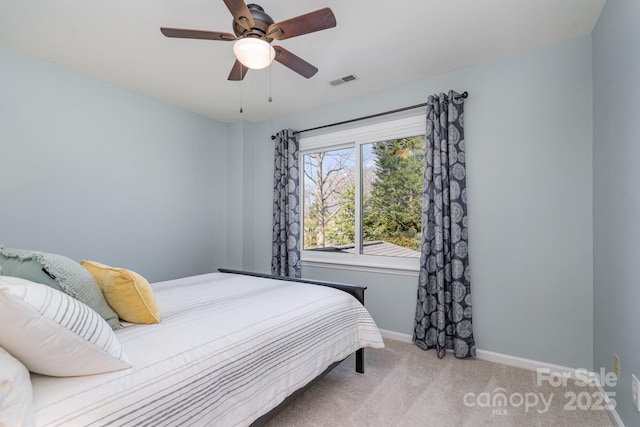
241, 80
270, 66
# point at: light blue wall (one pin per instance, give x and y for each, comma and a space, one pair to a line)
234, 206
240, 228
529, 157
92, 171
616, 199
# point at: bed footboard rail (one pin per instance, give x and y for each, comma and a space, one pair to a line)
356, 290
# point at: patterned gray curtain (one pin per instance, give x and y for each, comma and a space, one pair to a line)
285, 260
443, 311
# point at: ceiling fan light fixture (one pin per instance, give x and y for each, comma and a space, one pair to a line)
254, 53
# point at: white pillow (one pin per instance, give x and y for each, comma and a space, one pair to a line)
16, 394
54, 334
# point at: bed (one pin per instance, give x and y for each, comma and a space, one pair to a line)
231, 349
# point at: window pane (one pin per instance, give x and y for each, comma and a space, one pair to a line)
392, 179
329, 200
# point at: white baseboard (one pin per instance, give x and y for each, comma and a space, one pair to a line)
613, 414
396, 336
519, 362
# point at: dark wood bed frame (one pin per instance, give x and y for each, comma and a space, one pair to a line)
356, 290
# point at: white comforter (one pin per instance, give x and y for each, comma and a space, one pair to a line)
229, 349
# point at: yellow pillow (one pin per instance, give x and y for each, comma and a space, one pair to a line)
128, 293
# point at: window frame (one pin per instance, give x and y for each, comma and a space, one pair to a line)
356, 138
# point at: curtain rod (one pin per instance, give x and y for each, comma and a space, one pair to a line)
464, 94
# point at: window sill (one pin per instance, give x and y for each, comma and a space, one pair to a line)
352, 265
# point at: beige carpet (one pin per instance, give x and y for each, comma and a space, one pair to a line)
405, 386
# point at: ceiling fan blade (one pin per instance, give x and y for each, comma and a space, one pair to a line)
294, 62
240, 13
197, 34
304, 24
238, 71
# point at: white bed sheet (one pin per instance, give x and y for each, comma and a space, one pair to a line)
229, 348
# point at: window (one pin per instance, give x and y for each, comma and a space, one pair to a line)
362, 195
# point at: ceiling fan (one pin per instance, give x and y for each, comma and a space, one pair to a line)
255, 31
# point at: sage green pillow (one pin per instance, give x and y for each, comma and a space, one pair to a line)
71, 277
28, 269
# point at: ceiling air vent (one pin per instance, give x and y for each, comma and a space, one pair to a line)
342, 80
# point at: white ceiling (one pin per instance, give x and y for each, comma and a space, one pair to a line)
383, 42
